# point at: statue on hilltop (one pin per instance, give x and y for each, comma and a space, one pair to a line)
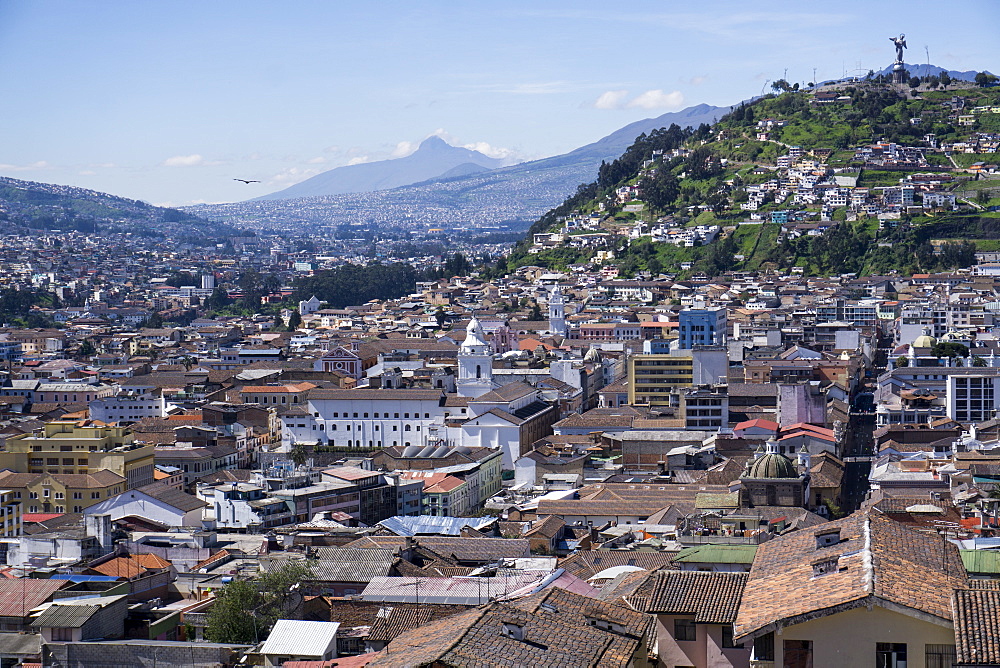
900, 43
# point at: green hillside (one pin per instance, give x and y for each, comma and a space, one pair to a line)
26, 205
674, 180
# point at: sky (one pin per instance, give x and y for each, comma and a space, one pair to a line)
168, 102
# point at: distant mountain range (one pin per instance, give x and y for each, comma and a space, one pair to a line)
434, 158
931, 70
465, 195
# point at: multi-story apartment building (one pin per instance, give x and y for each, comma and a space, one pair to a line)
80, 448
701, 327
56, 492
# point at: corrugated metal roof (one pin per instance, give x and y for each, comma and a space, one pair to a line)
65, 616
292, 637
981, 561
456, 591
20, 595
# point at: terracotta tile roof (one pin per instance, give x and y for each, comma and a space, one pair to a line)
713, 598
977, 626
876, 560
151, 561
119, 567
557, 633
586, 564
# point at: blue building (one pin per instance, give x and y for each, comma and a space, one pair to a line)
701, 327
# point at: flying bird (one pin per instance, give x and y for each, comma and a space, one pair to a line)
246, 181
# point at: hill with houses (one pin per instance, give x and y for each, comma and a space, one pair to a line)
860, 177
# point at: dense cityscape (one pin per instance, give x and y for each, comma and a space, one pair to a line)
733, 404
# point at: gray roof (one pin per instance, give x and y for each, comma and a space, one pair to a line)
339, 564
430, 525
293, 637
173, 497
20, 643
66, 616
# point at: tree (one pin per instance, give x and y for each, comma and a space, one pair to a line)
245, 610
902, 362
279, 323
660, 190
440, 317
231, 617
86, 349
945, 79
984, 79
949, 349
914, 82
298, 454
218, 300
983, 197
155, 321
294, 321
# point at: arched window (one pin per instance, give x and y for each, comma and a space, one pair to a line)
406, 428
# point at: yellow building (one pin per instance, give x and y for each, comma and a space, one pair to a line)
59, 492
10, 513
80, 448
861, 591
653, 376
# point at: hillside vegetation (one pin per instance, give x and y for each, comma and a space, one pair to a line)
26, 205
673, 182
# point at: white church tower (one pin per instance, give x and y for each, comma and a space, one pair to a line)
475, 362
557, 312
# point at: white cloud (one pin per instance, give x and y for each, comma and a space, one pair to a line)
318, 160
358, 160
697, 81
292, 175
498, 152
184, 160
657, 99
403, 149
509, 156
611, 99
41, 164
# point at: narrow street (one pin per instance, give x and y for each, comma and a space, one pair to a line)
859, 447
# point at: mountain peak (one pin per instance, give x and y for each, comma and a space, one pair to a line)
433, 142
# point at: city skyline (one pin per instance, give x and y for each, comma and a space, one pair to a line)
170, 103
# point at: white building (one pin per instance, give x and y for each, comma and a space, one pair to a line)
127, 407
475, 362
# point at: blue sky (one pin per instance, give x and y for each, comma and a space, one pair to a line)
169, 101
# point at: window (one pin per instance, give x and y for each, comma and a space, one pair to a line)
77, 495
763, 647
939, 656
798, 654
95, 495
890, 655
77, 509
61, 634
32, 495
727, 637
684, 629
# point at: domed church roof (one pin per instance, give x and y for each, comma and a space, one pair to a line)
773, 464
